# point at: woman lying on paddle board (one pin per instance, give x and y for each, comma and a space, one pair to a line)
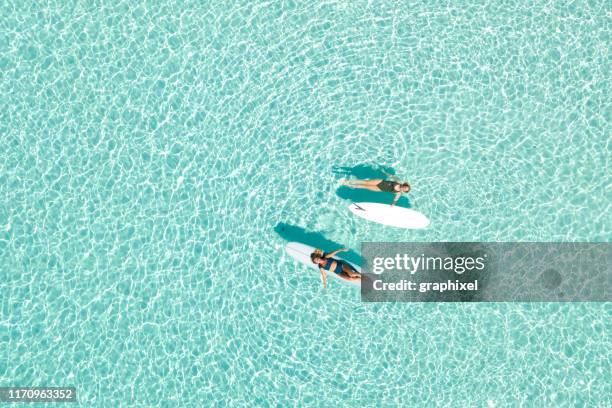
328, 264
387, 186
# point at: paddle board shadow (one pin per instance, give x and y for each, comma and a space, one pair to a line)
293, 233
360, 195
363, 171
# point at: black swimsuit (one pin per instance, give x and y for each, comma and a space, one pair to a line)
387, 186
339, 266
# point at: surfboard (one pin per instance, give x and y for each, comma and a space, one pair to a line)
387, 215
301, 253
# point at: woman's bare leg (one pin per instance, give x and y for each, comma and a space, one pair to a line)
367, 184
348, 277
372, 182
351, 272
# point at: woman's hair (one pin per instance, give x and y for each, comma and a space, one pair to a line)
404, 185
317, 253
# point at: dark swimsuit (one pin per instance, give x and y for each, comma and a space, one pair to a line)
339, 266
387, 186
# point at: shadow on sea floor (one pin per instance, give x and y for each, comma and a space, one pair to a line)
359, 195
293, 233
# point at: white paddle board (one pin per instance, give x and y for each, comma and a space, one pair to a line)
301, 253
387, 215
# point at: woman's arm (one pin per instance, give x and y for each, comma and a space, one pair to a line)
397, 196
323, 277
334, 253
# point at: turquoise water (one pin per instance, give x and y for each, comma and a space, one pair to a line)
156, 156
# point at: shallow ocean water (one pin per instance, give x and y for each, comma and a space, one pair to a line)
155, 158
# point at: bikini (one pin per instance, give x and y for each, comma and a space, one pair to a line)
339, 270
387, 186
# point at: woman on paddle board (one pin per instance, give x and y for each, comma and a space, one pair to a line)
387, 186
328, 264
